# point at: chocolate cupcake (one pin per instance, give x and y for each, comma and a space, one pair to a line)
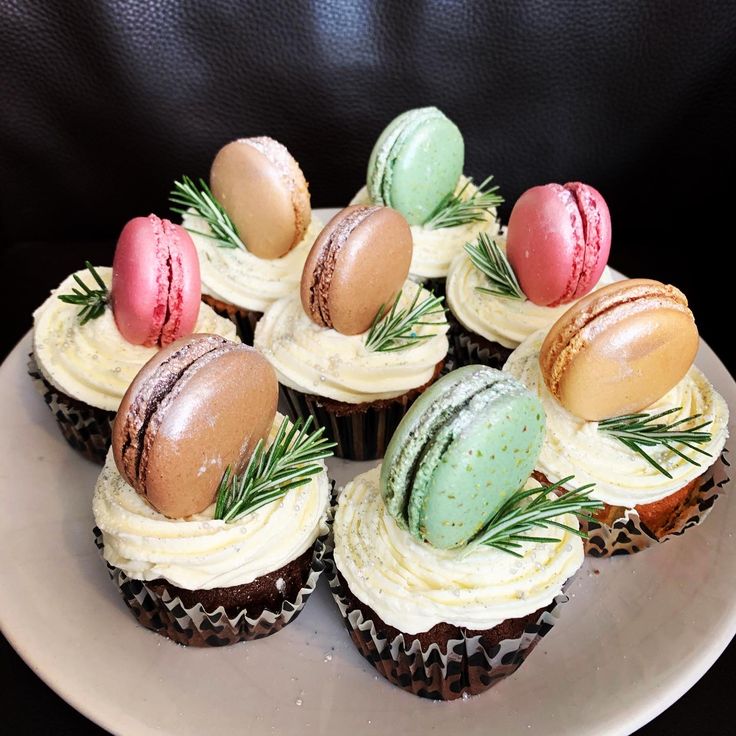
416, 167
207, 542
253, 229
360, 343
101, 325
502, 289
628, 411
445, 570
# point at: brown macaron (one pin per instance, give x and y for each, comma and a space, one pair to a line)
358, 263
619, 349
265, 194
199, 405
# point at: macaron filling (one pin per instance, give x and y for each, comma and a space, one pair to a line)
590, 222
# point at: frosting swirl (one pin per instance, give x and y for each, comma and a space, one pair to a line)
505, 321
322, 361
94, 362
200, 552
434, 250
238, 277
622, 477
413, 586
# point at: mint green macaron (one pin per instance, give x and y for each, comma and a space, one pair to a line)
416, 162
468, 442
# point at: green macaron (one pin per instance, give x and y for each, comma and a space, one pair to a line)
467, 443
416, 162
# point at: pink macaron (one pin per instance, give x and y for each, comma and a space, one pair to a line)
559, 238
156, 287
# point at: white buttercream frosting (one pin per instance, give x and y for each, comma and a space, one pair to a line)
413, 586
505, 321
434, 250
238, 277
200, 552
622, 477
94, 362
321, 361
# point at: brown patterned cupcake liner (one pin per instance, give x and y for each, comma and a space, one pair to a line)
464, 667
468, 348
156, 609
361, 431
628, 534
86, 428
244, 319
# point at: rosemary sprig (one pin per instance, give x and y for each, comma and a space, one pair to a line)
457, 209
527, 509
638, 431
186, 194
491, 261
288, 463
92, 301
396, 329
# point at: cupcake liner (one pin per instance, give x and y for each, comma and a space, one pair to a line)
466, 667
244, 319
468, 348
361, 431
86, 428
628, 534
194, 626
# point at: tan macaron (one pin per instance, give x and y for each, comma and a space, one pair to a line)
619, 349
265, 194
358, 263
198, 406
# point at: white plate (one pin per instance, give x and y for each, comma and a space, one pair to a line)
637, 634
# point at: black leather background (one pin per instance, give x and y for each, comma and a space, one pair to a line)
103, 104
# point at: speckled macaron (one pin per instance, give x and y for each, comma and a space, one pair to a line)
468, 442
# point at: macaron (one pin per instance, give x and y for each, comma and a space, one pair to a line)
156, 288
197, 407
265, 194
357, 264
558, 242
465, 445
619, 349
415, 163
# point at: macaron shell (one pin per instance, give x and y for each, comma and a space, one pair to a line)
356, 268
416, 162
185, 285
558, 242
466, 444
619, 349
140, 280
494, 445
195, 408
213, 419
597, 226
266, 197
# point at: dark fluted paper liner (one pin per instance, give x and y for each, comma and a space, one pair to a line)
193, 625
629, 534
244, 319
468, 348
86, 428
361, 431
466, 666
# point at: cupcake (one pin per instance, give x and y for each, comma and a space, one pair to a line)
449, 562
211, 510
501, 290
359, 343
627, 410
101, 325
252, 230
416, 167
